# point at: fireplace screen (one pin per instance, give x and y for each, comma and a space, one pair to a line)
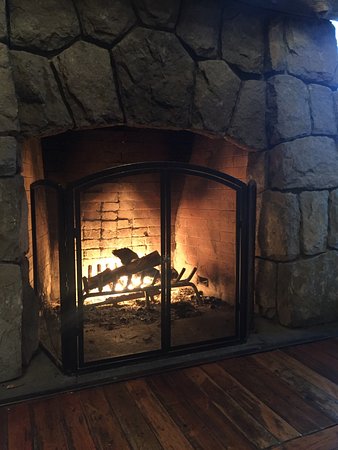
141, 261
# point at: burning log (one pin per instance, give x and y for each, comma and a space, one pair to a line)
139, 265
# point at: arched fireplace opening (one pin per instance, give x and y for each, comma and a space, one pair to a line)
144, 259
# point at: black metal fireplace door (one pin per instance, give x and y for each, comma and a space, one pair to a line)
142, 261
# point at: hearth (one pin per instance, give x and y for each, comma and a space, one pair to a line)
142, 260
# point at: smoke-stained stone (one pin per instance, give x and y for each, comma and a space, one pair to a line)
13, 219
266, 287
307, 290
43, 25
322, 110
156, 13
288, 109
257, 168
248, 123
279, 224
199, 26
277, 47
10, 321
314, 221
157, 83
333, 219
41, 108
8, 101
105, 21
215, 95
3, 25
308, 163
8, 156
243, 38
86, 75
312, 49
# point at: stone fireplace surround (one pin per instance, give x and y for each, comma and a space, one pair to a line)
264, 80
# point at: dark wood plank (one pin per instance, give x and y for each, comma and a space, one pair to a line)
307, 373
322, 440
328, 346
166, 430
277, 395
277, 426
214, 419
317, 396
3, 429
324, 364
199, 435
73, 420
137, 430
20, 434
47, 431
228, 406
104, 427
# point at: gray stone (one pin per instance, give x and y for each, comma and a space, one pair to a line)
277, 47
307, 291
333, 219
243, 38
312, 49
8, 102
8, 156
86, 75
314, 221
215, 95
10, 321
335, 103
41, 108
199, 26
30, 316
3, 25
308, 163
105, 21
279, 224
248, 123
43, 25
266, 287
322, 110
257, 168
161, 14
288, 109
13, 219
157, 82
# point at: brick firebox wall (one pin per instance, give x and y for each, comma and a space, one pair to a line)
206, 218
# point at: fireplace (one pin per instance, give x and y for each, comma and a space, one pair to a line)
140, 260
242, 82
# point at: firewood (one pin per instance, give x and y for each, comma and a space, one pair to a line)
111, 276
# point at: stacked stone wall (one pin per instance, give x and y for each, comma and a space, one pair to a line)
266, 80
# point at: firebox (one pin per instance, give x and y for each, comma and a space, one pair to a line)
142, 260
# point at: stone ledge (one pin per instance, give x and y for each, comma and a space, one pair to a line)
279, 225
87, 79
42, 25
301, 164
307, 290
288, 109
8, 156
13, 219
10, 321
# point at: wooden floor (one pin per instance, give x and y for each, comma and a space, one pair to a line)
284, 399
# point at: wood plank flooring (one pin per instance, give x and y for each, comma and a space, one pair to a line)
281, 400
